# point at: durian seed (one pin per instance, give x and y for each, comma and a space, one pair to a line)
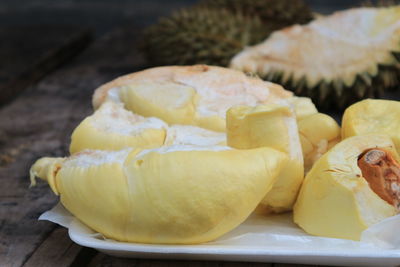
382, 173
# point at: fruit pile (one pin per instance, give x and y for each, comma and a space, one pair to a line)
183, 155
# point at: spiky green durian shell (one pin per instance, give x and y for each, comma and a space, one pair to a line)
274, 13
200, 35
380, 3
336, 95
336, 60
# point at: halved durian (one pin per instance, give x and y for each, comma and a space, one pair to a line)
353, 186
273, 126
335, 60
176, 194
373, 116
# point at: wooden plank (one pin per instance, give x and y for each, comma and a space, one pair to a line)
39, 123
56, 250
102, 260
28, 53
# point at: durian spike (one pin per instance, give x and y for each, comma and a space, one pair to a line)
273, 13
200, 35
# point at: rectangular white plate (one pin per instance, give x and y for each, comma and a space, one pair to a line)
258, 239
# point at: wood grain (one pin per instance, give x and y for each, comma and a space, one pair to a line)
28, 53
39, 123
102, 260
56, 250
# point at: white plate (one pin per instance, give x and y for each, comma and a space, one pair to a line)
258, 239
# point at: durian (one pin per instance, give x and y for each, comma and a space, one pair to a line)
275, 14
274, 126
196, 95
168, 195
200, 95
336, 60
351, 187
200, 35
373, 116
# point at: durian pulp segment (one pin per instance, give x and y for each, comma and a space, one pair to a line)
335, 200
179, 194
303, 106
173, 103
191, 135
112, 127
270, 126
92, 186
318, 133
373, 116
197, 95
328, 57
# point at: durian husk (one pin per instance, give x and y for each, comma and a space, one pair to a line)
329, 61
380, 3
275, 14
200, 36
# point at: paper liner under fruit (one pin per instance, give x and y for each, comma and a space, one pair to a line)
277, 231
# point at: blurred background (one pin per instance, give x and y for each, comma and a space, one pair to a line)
103, 15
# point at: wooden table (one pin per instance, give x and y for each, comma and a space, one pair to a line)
39, 123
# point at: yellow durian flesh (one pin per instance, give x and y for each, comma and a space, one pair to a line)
303, 106
173, 103
372, 116
177, 194
192, 135
196, 95
318, 133
112, 127
273, 126
335, 199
